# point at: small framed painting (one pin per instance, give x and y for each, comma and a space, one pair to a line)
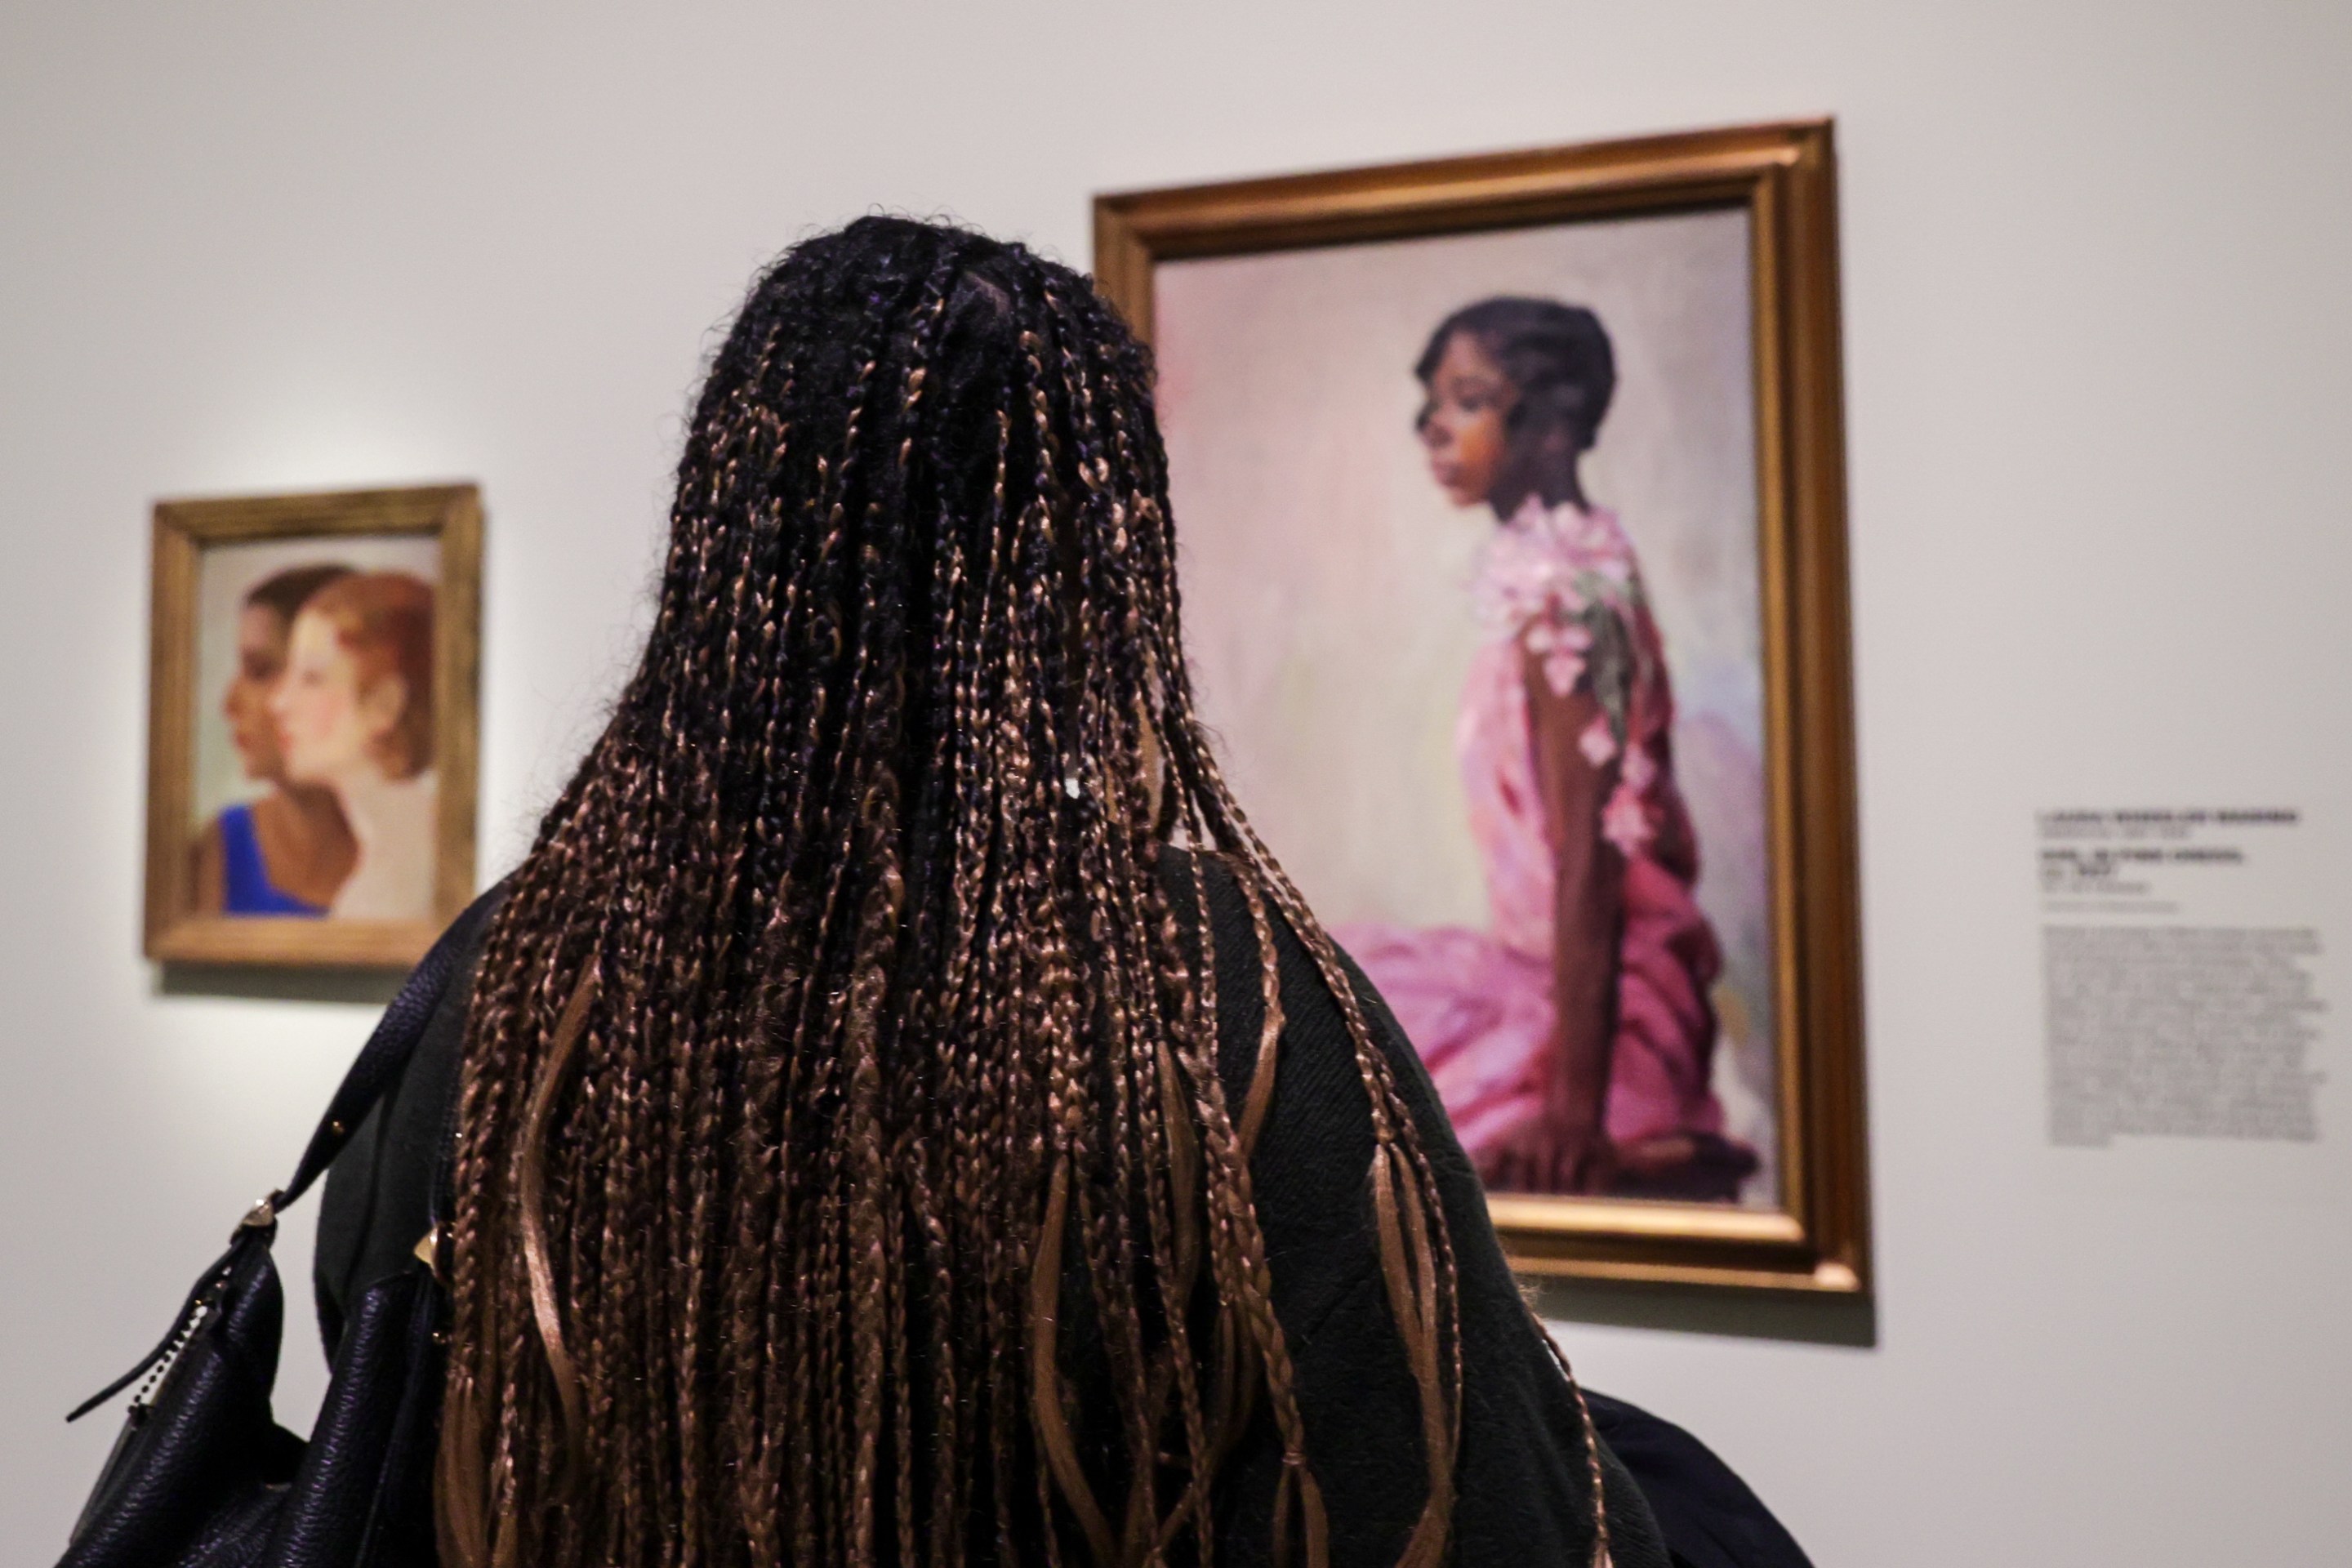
1511, 490
312, 725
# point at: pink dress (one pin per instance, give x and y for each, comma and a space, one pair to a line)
1560, 586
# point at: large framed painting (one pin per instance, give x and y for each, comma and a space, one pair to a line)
311, 729
1511, 494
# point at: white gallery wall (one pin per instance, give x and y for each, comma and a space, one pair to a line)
2099, 375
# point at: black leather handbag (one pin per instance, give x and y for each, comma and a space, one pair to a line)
203, 1476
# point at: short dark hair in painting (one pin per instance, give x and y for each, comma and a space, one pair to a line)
284, 592
1556, 355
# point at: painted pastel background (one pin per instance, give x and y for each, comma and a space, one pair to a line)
1326, 576
224, 574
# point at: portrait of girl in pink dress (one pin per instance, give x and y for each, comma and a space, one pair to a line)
1573, 1036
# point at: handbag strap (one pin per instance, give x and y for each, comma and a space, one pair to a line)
383, 1057
380, 1061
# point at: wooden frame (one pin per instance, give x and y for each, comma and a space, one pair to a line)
184, 530
1783, 177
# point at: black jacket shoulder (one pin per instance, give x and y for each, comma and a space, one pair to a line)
379, 1200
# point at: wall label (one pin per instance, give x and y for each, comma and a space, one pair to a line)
2178, 992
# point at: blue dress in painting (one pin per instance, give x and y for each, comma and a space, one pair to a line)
247, 889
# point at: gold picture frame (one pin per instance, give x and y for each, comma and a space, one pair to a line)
189, 618
1815, 1238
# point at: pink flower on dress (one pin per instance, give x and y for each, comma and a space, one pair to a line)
1594, 543
1562, 645
1625, 821
1556, 588
1598, 743
1641, 770
1550, 561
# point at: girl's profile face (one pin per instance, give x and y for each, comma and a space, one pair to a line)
328, 723
260, 663
1462, 425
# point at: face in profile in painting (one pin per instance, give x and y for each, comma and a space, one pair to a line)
1572, 1039
353, 717
261, 634
332, 725
286, 851
1464, 420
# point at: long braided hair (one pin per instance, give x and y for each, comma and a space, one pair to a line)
840, 1054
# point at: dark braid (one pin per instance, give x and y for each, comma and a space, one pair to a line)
841, 993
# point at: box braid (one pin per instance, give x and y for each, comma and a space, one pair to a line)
839, 1001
